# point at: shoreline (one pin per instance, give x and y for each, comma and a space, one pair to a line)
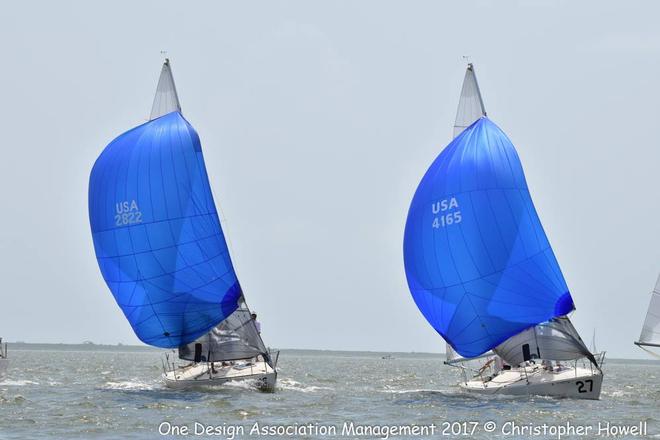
127, 348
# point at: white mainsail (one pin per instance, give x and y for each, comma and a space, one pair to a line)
470, 105
237, 337
650, 335
555, 340
166, 99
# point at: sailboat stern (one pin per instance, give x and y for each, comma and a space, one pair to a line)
258, 375
231, 352
578, 378
574, 383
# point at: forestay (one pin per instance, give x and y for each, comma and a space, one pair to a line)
478, 262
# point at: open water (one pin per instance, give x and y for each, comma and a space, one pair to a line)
89, 392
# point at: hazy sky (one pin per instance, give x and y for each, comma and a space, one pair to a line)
318, 119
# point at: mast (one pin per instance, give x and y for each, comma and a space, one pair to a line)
166, 99
235, 337
133, 209
469, 110
557, 338
470, 104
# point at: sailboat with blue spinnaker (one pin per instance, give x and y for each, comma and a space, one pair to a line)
482, 272
162, 252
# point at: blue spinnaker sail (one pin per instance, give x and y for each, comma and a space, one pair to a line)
157, 234
477, 260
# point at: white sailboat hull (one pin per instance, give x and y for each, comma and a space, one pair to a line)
570, 382
203, 375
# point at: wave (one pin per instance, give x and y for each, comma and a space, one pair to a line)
247, 384
18, 399
17, 383
129, 385
458, 398
292, 385
415, 391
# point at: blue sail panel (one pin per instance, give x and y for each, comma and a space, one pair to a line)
478, 263
157, 235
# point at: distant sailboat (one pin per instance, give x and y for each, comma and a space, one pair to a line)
482, 272
162, 252
649, 339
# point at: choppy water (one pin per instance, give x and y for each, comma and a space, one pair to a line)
112, 394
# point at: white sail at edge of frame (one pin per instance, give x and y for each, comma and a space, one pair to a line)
650, 335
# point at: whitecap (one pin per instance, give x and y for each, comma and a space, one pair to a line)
616, 393
413, 391
292, 385
17, 383
128, 385
242, 384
